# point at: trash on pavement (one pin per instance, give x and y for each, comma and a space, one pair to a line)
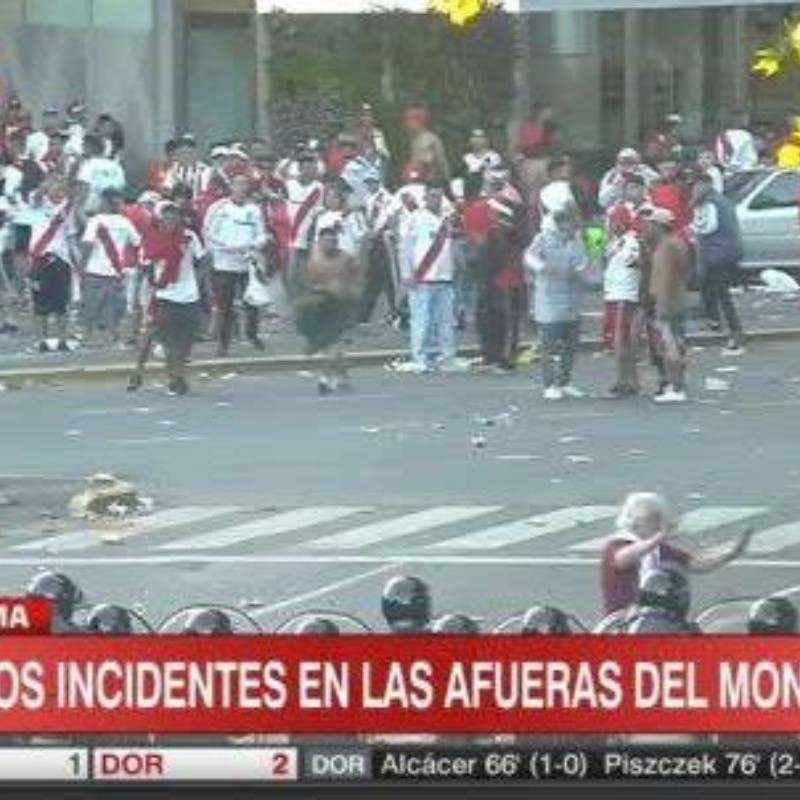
478, 442
369, 429
716, 385
73, 434
580, 459
726, 370
107, 496
570, 439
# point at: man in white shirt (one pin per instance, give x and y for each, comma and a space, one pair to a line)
235, 235
173, 253
96, 174
380, 276
110, 247
38, 142
52, 224
612, 186
557, 194
304, 199
481, 158
186, 168
735, 148
428, 279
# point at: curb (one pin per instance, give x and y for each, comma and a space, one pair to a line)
25, 378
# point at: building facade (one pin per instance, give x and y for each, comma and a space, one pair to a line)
612, 68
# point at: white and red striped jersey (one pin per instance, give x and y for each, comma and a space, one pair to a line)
429, 244
114, 243
195, 176
304, 201
52, 224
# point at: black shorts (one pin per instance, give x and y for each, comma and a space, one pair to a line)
52, 283
323, 320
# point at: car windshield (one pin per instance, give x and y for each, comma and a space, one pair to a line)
740, 184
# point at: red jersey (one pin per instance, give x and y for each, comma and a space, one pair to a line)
623, 217
669, 196
476, 219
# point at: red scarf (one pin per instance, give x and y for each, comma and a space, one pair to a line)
166, 248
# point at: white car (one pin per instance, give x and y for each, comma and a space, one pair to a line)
766, 201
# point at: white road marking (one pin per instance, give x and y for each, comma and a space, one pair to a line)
422, 559
263, 528
693, 524
328, 588
774, 539
150, 440
519, 531
398, 527
171, 517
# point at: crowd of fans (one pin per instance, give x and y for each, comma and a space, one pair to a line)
490, 240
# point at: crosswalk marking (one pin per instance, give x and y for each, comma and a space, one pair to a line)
285, 522
692, 524
527, 529
169, 518
774, 539
398, 527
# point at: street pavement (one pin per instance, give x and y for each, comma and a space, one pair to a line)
274, 499
759, 311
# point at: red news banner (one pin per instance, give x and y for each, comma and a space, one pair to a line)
388, 684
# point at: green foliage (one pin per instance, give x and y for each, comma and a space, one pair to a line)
322, 67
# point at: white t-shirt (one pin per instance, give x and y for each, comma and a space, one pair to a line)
36, 145
40, 218
100, 174
621, 281
233, 225
556, 196
124, 236
185, 289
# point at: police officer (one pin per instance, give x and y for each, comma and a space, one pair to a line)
65, 596
458, 624
208, 622
317, 626
110, 620
545, 620
662, 604
772, 616
406, 604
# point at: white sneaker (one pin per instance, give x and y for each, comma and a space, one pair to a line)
671, 395
573, 392
553, 393
410, 367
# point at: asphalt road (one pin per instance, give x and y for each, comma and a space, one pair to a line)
272, 497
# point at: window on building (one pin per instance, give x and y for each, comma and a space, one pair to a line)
781, 192
123, 14
64, 13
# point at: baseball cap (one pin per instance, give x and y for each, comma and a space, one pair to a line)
220, 151
238, 151
628, 154
659, 215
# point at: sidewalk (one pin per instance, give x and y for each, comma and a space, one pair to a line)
764, 316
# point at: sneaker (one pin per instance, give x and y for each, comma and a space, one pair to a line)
63, 346
713, 326
671, 395
733, 347
324, 387
178, 387
573, 392
135, 382
43, 347
411, 367
553, 393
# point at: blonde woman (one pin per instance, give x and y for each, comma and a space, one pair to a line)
645, 539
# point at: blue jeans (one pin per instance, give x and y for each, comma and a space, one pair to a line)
433, 322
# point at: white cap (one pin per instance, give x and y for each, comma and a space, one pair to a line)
628, 154
238, 151
660, 215
220, 151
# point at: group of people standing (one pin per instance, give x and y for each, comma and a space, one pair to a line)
489, 241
